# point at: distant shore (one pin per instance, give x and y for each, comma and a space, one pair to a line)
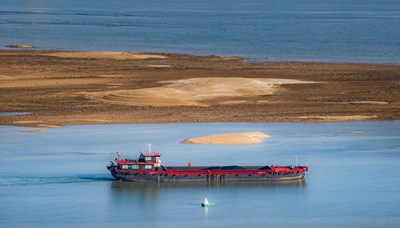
68, 88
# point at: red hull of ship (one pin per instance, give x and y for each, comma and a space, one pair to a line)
148, 168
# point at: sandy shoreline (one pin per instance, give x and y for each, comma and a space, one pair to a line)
65, 88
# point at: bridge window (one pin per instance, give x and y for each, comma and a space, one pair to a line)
125, 166
148, 158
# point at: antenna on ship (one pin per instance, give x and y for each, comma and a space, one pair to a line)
149, 148
296, 159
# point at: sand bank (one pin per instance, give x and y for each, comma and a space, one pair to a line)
229, 138
107, 55
196, 92
370, 102
18, 46
336, 118
35, 131
157, 66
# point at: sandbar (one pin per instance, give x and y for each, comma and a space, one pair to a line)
18, 46
238, 138
196, 92
107, 55
35, 131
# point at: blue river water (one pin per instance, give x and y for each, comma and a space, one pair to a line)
58, 178
263, 30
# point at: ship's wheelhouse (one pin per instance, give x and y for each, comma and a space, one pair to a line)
148, 162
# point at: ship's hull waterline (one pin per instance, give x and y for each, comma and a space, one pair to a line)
209, 177
148, 168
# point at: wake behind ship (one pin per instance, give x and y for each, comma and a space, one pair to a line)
148, 168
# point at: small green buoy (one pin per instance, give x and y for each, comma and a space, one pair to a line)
205, 203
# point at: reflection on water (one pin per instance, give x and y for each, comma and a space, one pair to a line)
151, 192
134, 187
184, 198
206, 212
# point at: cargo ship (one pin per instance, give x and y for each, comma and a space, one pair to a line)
148, 168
